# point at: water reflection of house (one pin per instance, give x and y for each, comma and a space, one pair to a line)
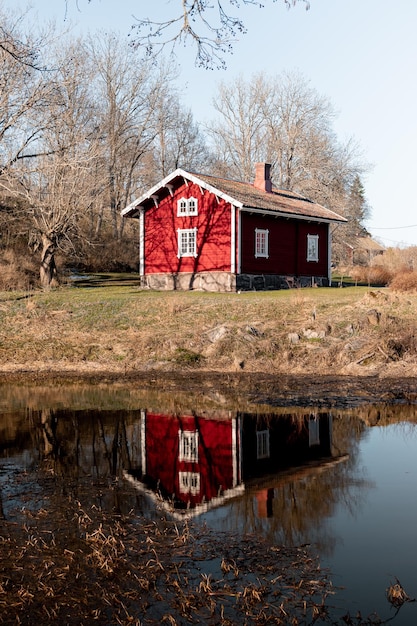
192, 463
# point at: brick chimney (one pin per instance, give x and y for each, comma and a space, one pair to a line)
263, 177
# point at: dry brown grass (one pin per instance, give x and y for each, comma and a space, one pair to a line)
70, 562
123, 329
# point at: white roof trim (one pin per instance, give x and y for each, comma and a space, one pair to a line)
163, 183
297, 216
183, 514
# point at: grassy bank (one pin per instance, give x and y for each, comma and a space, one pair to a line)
114, 326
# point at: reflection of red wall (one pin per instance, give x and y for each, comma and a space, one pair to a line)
215, 454
213, 235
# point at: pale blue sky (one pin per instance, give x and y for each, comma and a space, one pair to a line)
361, 54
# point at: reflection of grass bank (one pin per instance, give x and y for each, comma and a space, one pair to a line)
117, 328
63, 559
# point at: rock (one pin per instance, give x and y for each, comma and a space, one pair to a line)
314, 334
239, 364
374, 317
215, 334
253, 331
293, 338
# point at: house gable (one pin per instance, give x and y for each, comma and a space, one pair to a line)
182, 241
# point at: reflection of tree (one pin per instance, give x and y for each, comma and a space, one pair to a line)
74, 444
94, 447
299, 505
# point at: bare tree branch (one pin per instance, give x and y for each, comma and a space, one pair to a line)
211, 27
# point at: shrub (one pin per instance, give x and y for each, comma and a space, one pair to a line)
406, 280
183, 356
376, 275
18, 270
106, 256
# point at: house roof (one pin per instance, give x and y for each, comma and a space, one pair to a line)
369, 244
245, 196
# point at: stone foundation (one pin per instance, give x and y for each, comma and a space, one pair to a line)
265, 282
205, 281
226, 282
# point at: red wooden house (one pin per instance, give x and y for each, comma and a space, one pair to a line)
191, 464
204, 232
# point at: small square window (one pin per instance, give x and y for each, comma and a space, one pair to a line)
182, 206
192, 206
189, 482
312, 248
261, 243
188, 446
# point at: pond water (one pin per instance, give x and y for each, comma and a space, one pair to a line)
344, 482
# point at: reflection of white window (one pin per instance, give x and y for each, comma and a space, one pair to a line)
313, 431
189, 482
188, 446
262, 440
187, 242
312, 247
187, 206
261, 243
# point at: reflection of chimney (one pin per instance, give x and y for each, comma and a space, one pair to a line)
263, 177
265, 504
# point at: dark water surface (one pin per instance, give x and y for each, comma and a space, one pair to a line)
344, 482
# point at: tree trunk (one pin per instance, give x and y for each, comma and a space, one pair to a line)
48, 272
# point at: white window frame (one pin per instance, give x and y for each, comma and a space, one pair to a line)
187, 206
312, 248
188, 446
187, 242
261, 243
189, 483
262, 444
313, 431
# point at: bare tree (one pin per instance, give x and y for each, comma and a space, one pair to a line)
239, 133
211, 27
127, 90
299, 131
284, 121
25, 90
179, 142
55, 185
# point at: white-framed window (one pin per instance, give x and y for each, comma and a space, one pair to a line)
187, 242
312, 248
261, 243
188, 446
313, 431
187, 206
262, 444
189, 482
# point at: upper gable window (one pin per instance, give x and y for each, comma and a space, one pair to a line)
312, 248
187, 206
261, 243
